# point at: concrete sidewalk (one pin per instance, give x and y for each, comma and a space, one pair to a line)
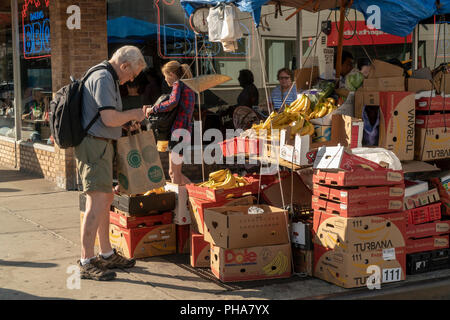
40, 240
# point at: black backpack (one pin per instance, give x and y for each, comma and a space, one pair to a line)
66, 112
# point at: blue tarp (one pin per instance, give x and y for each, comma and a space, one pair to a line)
398, 17
125, 27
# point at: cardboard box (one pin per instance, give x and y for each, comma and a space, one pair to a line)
358, 178
356, 209
118, 218
197, 209
216, 195
428, 229
181, 212
397, 121
322, 133
143, 242
144, 205
418, 85
339, 157
432, 144
301, 235
384, 84
365, 98
350, 270
255, 263
427, 244
442, 83
303, 77
233, 227
359, 194
183, 238
433, 120
431, 212
434, 103
200, 251
302, 195
381, 69
303, 261
346, 131
421, 199
359, 234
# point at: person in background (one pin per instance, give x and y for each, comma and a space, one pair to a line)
182, 97
249, 95
152, 90
346, 67
133, 99
364, 66
37, 105
283, 92
95, 156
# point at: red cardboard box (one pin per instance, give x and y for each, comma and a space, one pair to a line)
350, 270
216, 195
358, 178
436, 120
129, 222
255, 263
356, 209
424, 214
397, 122
143, 242
197, 208
200, 251
421, 199
359, 195
427, 244
183, 241
423, 230
434, 104
359, 234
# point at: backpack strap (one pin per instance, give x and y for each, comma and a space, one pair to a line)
104, 65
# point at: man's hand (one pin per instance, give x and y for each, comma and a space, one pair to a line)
139, 115
148, 110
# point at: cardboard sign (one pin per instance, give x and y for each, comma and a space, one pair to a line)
350, 270
143, 242
200, 251
359, 234
233, 227
427, 244
432, 144
254, 263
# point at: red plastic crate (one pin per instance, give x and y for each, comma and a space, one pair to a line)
228, 147
424, 214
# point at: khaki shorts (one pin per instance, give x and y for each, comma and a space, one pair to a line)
94, 159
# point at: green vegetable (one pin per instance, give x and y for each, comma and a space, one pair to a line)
354, 80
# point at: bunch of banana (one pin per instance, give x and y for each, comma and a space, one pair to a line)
322, 109
157, 191
301, 105
277, 266
223, 179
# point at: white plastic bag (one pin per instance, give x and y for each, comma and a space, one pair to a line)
379, 155
215, 22
223, 24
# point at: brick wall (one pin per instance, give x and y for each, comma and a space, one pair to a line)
7, 156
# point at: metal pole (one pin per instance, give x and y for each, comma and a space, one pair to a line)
340, 41
199, 109
415, 48
299, 36
16, 71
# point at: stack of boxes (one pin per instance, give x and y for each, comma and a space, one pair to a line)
427, 243
359, 220
202, 198
248, 242
384, 90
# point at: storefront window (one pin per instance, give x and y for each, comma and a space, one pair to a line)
35, 67
279, 54
6, 75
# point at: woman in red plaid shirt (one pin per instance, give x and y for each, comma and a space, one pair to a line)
183, 97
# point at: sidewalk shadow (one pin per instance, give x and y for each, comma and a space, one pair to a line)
8, 294
27, 264
7, 175
9, 190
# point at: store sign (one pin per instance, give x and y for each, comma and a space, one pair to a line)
36, 29
363, 35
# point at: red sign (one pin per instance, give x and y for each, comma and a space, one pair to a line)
363, 35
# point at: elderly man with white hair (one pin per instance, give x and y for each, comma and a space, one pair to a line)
102, 106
